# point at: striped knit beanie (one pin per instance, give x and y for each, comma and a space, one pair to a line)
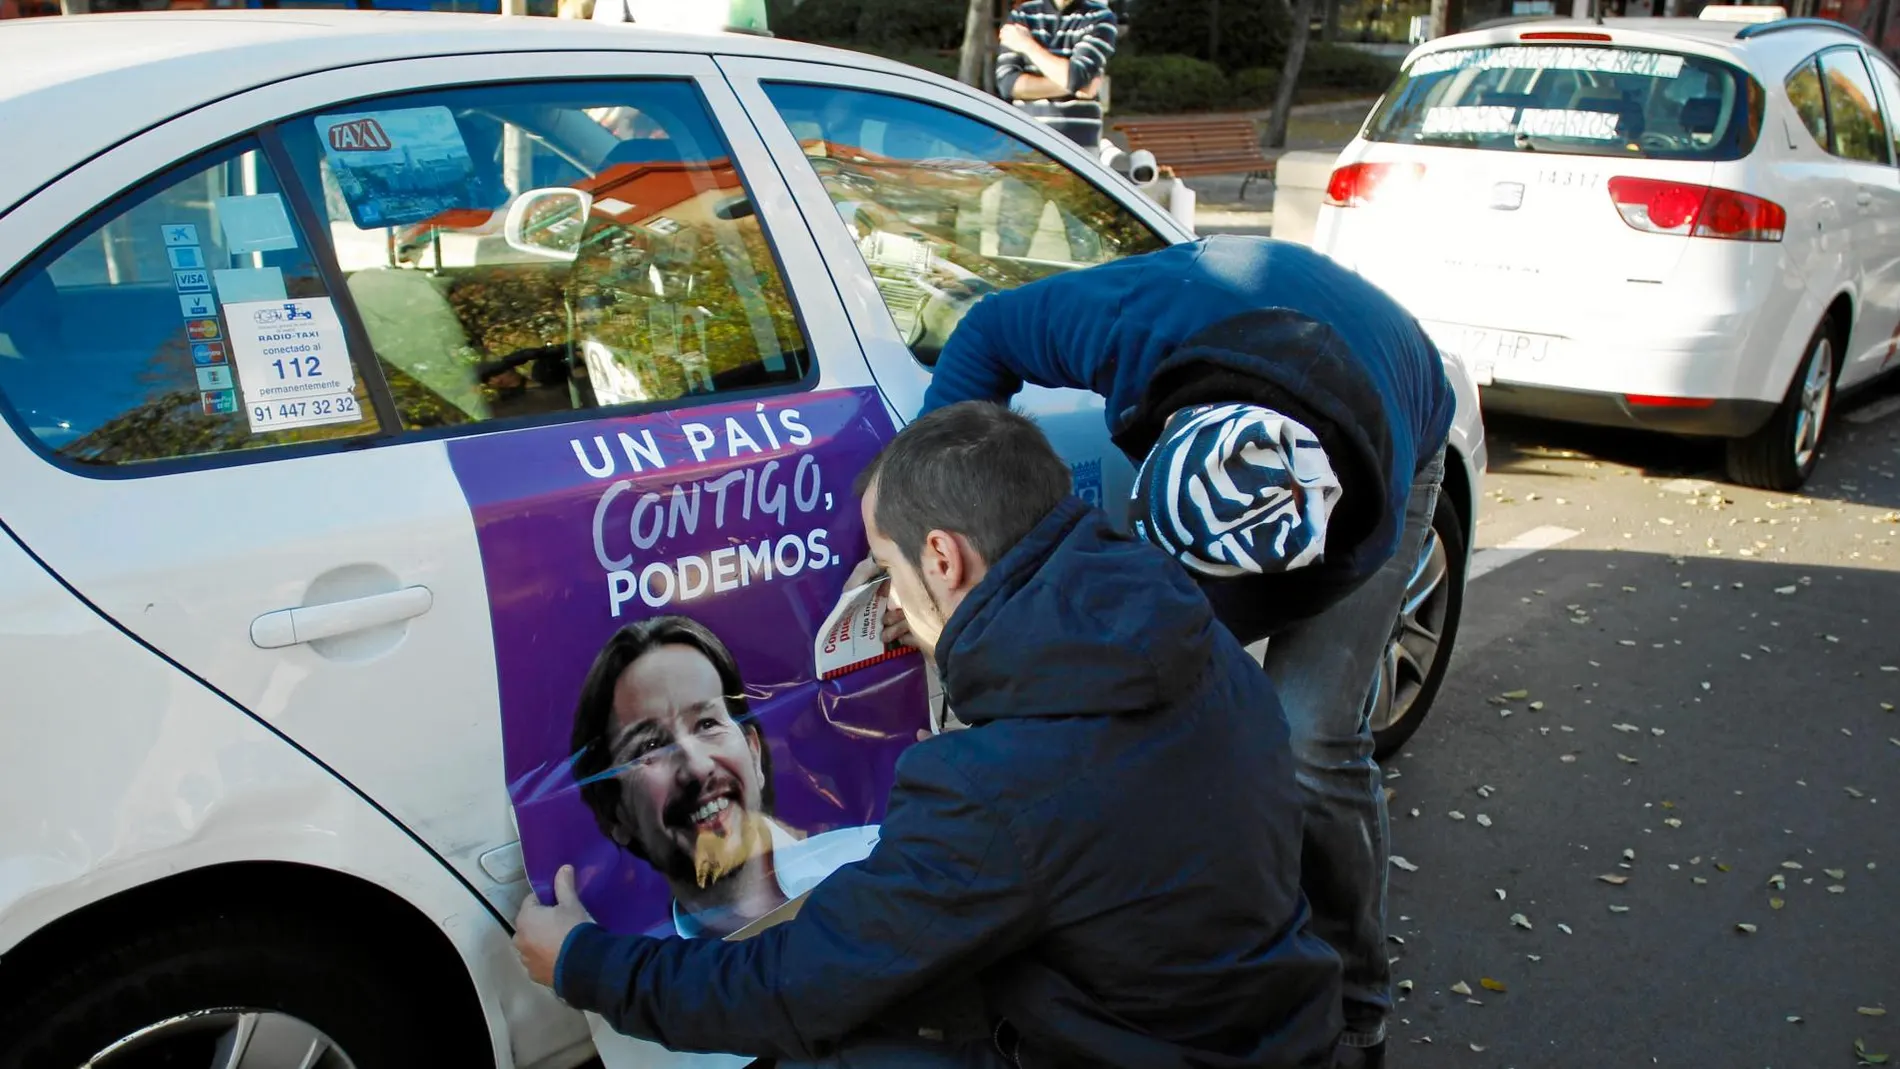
1233, 489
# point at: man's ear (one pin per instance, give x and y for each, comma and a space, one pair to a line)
756, 744
942, 559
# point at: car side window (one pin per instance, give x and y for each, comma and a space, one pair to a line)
188, 318
518, 250
1804, 92
945, 208
1853, 115
1889, 82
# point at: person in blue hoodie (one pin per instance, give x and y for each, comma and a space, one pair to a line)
1101, 869
1288, 420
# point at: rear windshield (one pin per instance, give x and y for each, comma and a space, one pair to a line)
1597, 100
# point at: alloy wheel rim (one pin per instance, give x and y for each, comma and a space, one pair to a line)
1418, 639
226, 1039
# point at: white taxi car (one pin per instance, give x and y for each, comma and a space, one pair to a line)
288, 304
1686, 225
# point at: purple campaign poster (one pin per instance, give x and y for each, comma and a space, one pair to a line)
708, 773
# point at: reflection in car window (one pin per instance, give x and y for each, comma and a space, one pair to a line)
1804, 92
1859, 133
638, 272
945, 208
1889, 92
1634, 103
128, 342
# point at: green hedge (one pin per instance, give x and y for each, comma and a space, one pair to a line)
873, 25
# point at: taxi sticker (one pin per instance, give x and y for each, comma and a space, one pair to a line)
197, 306
404, 165
217, 377
185, 257
293, 363
180, 234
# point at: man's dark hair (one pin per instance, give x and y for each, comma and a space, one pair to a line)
973, 468
593, 714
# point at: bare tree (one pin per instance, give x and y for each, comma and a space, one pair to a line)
976, 40
1290, 74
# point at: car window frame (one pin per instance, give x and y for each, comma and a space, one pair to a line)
904, 380
1889, 107
70, 235
210, 128
1827, 99
804, 384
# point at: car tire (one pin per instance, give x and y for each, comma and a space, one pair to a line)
1419, 653
188, 991
1782, 454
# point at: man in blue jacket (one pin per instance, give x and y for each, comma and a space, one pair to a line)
1102, 869
1289, 420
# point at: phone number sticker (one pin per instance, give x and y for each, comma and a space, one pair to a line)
292, 363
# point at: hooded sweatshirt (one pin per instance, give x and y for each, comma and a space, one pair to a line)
1108, 858
1232, 319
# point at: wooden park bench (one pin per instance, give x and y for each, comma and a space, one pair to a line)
1191, 147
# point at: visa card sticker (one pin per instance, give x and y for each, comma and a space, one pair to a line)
197, 305
197, 280
256, 223
292, 363
404, 165
242, 284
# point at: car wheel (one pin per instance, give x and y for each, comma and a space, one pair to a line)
244, 992
1415, 661
1781, 455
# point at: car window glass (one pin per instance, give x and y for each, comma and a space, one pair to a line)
190, 319
1890, 93
1612, 100
1859, 133
522, 250
945, 208
1804, 92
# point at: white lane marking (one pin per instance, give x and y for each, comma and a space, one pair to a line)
1486, 561
1877, 410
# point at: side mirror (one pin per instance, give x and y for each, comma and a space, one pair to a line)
548, 222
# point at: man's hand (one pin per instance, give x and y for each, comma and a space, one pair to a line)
896, 627
541, 931
1016, 37
1091, 90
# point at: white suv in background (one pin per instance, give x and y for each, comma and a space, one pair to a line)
1690, 226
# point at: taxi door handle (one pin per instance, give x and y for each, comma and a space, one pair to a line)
308, 623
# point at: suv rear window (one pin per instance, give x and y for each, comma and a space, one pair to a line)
1595, 100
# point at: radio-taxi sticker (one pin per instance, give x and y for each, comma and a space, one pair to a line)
292, 363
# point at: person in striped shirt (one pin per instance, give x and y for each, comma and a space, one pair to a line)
1054, 53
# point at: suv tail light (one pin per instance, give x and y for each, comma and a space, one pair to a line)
1660, 207
1358, 183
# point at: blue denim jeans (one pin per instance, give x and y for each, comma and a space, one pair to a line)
1324, 668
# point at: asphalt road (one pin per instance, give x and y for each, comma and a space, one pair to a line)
1684, 693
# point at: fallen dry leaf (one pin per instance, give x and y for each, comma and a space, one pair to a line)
1866, 1056
1477, 1048
1405, 987
1571, 759
1521, 921
1455, 815
1627, 759
1615, 881
1852, 793
1699, 879
1838, 874
1500, 893
1515, 695
1400, 863
1864, 1011
1538, 706
1461, 988
1836, 889
1778, 882
1745, 927
1495, 985
1564, 928
1629, 853
1619, 909
1674, 822
1483, 821
1628, 729
1785, 589
1719, 867
1776, 903
1794, 865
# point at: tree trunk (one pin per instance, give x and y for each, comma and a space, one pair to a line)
976, 40
1329, 25
1290, 74
1447, 14
1213, 32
